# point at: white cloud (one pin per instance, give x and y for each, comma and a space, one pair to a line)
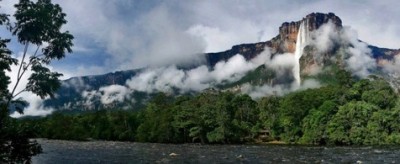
358, 57
35, 108
282, 61
360, 60
325, 37
165, 79
90, 97
159, 79
219, 40
232, 70
266, 90
393, 66
114, 93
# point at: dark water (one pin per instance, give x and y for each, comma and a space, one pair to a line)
56, 151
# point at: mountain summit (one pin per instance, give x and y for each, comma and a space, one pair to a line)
286, 40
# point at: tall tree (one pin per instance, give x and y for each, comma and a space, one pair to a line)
37, 25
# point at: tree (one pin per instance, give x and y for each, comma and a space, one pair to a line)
245, 117
314, 124
157, 125
380, 93
37, 24
349, 125
268, 115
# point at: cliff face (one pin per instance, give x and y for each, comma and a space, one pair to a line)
284, 42
383, 55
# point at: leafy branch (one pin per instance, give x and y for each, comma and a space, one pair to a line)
39, 24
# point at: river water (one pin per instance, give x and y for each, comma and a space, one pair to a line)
56, 151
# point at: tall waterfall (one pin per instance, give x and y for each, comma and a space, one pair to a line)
301, 42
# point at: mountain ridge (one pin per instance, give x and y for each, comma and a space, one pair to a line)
284, 42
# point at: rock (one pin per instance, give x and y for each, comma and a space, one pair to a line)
240, 156
173, 155
359, 162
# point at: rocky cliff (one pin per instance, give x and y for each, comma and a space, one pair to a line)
284, 42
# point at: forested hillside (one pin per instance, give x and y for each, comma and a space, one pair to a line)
348, 112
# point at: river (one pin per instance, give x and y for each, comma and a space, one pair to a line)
57, 151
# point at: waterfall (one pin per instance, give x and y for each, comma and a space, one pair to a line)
301, 42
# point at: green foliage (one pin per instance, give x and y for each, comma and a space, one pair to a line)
157, 123
43, 82
259, 76
295, 106
379, 93
41, 22
314, 124
215, 117
353, 114
103, 125
378, 128
35, 23
5, 65
333, 75
16, 146
268, 114
349, 125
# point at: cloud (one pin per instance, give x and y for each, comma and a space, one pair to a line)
114, 93
360, 60
35, 107
106, 95
282, 61
357, 57
325, 37
166, 79
91, 97
157, 80
151, 37
166, 43
219, 40
393, 67
231, 70
279, 90
171, 79
392, 70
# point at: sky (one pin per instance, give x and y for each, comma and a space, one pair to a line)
112, 35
